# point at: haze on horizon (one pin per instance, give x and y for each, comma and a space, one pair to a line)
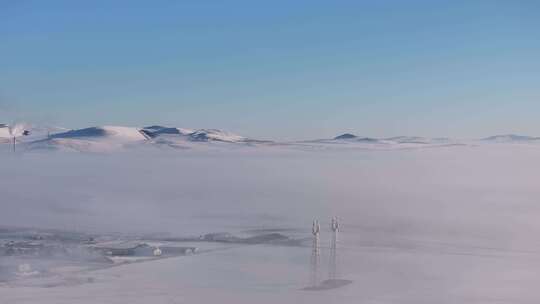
279, 70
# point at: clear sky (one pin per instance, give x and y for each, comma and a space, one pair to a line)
275, 69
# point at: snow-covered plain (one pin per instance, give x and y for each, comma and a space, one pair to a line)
451, 223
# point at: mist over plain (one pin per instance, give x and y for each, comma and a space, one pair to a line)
443, 190
435, 225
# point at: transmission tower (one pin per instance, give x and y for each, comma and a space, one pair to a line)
332, 272
315, 253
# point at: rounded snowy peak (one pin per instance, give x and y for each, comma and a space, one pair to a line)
346, 136
215, 135
155, 131
354, 138
126, 133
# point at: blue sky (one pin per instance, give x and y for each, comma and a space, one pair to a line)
275, 69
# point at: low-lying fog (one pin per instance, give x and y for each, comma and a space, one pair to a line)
444, 190
441, 225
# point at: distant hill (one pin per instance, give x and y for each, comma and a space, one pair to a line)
511, 138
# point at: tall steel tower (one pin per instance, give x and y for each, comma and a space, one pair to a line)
332, 272
315, 253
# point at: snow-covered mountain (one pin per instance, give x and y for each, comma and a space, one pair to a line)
4, 133
155, 131
105, 132
93, 139
511, 138
182, 138
201, 135
348, 137
418, 140
352, 137
115, 138
349, 141
215, 135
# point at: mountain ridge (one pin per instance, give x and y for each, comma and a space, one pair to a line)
112, 138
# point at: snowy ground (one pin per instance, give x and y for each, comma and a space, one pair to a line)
455, 224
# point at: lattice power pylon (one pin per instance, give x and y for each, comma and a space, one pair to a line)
332, 269
315, 254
